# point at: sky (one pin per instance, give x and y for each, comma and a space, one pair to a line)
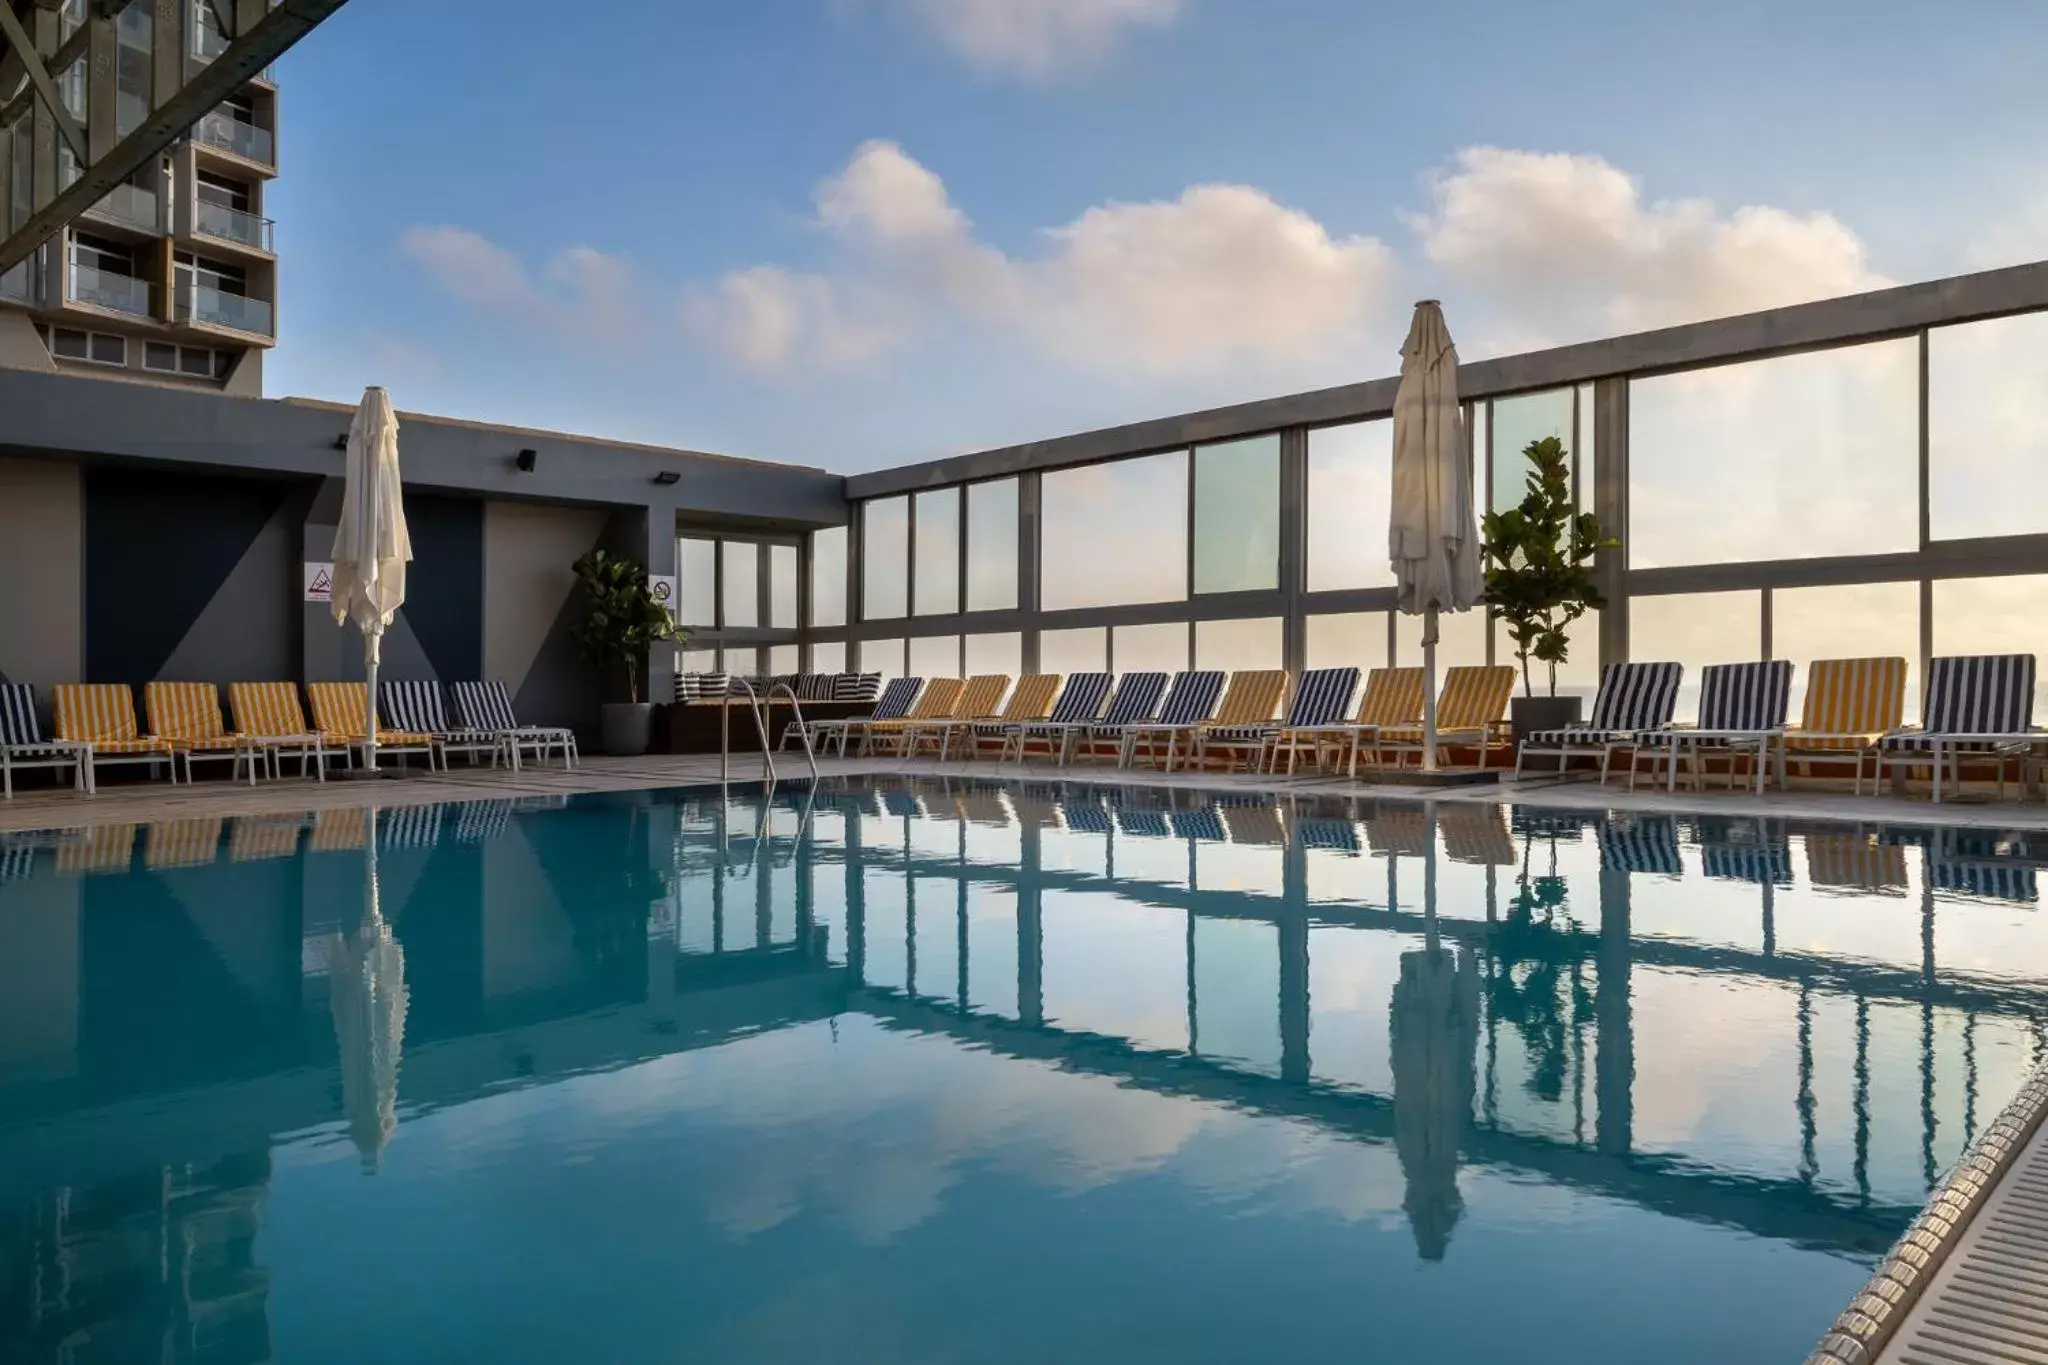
859, 233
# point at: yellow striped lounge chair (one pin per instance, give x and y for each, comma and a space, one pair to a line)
1476, 832
339, 831
187, 714
980, 700
1250, 700
1857, 861
103, 848
269, 715
1031, 702
1851, 705
338, 718
253, 838
102, 715
1392, 696
183, 843
1472, 709
940, 699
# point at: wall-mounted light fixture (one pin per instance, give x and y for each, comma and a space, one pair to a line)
526, 460
668, 478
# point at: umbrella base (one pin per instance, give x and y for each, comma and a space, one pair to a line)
367, 775
1442, 777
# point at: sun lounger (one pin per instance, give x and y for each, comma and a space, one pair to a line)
1135, 701
183, 843
1247, 719
1078, 705
187, 715
338, 716
894, 703
22, 744
1635, 700
940, 699
269, 715
1190, 702
1033, 701
416, 707
1317, 719
101, 849
1851, 704
487, 706
980, 700
1392, 697
1979, 704
1742, 711
101, 716
1472, 709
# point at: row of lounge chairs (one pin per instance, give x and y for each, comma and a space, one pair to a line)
96, 724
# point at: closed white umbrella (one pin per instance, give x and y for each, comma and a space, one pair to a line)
368, 996
1434, 537
371, 546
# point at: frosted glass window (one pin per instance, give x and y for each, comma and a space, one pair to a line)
1792, 458
1237, 516
935, 656
741, 663
1115, 534
1696, 629
1234, 645
828, 577
1517, 422
1348, 639
742, 563
1995, 616
1151, 649
938, 552
697, 661
781, 660
992, 654
885, 559
882, 656
697, 582
1350, 500
992, 545
828, 657
1987, 427
1461, 640
1073, 651
782, 586
1854, 621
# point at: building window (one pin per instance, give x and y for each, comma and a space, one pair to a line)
159, 355
198, 362
97, 348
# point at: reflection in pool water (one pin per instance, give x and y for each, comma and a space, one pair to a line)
923, 1072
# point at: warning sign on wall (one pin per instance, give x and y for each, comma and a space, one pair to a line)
663, 589
319, 582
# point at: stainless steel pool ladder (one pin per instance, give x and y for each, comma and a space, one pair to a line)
758, 707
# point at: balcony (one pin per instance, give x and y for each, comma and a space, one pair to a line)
17, 286
105, 289
212, 308
208, 44
128, 206
232, 135
224, 223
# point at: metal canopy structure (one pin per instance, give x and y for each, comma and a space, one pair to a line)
201, 52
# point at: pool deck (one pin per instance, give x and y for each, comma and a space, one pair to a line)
136, 802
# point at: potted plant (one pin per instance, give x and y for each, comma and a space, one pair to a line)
621, 622
1539, 579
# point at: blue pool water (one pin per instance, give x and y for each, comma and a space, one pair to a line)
973, 1073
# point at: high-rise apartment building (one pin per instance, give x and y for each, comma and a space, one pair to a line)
172, 277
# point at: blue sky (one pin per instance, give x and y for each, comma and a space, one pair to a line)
858, 232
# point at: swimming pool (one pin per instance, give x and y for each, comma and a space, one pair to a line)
931, 1071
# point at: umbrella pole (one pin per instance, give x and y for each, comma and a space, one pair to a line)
1431, 938
1429, 691
373, 912
371, 641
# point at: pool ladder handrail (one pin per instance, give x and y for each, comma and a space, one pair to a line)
758, 708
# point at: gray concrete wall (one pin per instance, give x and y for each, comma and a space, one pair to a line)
42, 567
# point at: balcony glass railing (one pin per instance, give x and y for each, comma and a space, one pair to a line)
207, 43
129, 205
197, 303
245, 140
16, 286
105, 289
227, 224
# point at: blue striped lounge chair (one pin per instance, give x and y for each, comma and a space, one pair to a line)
416, 707
1135, 701
894, 703
1755, 851
1977, 704
409, 827
1634, 702
1190, 702
1323, 700
1959, 862
23, 745
1079, 706
1742, 711
1083, 812
487, 706
1640, 843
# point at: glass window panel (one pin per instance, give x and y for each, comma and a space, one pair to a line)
697, 661
1518, 421
1236, 992
885, 568
1987, 427
1345, 639
1855, 621
992, 545
1461, 640
1114, 534
882, 656
1237, 516
828, 657
1696, 629
781, 660
742, 561
1797, 457
992, 654
1994, 616
744, 663
938, 552
1587, 446
828, 577
782, 585
1074, 651
1233, 645
935, 656
697, 582
1161, 648
1350, 501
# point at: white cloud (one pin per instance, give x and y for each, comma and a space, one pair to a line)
1560, 247
1038, 39
1221, 276
579, 291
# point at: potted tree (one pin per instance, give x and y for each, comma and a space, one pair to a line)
621, 622
1539, 579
